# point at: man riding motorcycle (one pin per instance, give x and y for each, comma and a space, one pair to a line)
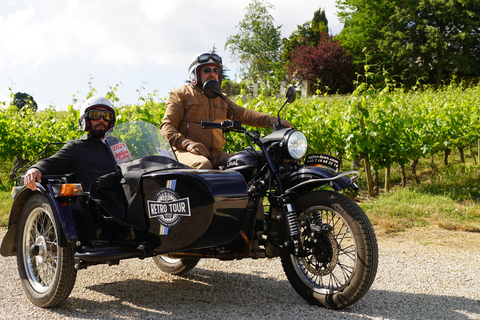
187, 106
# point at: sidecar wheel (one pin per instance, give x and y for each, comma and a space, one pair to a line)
345, 259
47, 271
175, 266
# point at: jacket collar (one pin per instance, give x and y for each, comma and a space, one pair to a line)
87, 136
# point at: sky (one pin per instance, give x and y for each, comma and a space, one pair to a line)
55, 50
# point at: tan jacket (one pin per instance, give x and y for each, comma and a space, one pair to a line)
187, 107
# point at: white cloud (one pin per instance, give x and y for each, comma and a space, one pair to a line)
51, 47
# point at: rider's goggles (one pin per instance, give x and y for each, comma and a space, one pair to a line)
207, 70
96, 114
209, 56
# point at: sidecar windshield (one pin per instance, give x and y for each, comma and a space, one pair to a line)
137, 139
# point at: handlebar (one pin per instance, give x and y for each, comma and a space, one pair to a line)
211, 125
225, 125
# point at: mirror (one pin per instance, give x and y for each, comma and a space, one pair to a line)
291, 94
212, 89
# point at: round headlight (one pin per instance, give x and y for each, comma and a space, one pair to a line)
297, 144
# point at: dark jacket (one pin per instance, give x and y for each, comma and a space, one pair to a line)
87, 158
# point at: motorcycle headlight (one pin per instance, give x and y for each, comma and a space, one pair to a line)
296, 144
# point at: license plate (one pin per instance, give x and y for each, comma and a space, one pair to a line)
318, 159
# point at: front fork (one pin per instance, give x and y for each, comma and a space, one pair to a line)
313, 228
293, 229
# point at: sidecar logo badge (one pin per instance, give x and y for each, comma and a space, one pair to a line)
168, 208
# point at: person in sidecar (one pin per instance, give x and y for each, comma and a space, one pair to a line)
86, 157
187, 106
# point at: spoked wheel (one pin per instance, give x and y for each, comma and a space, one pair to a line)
46, 270
175, 266
344, 254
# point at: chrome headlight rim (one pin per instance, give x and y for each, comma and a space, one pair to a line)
295, 144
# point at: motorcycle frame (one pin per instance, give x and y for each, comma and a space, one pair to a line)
297, 182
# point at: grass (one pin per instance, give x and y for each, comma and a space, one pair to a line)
5, 205
5, 192
447, 197
406, 208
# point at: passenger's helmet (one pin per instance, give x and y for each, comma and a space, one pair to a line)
91, 103
200, 60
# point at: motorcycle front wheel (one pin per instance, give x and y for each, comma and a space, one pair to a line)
344, 261
175, 266
47, 271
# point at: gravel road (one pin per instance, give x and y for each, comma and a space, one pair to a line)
426, 274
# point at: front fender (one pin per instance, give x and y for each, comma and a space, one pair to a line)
309, 178
64, 219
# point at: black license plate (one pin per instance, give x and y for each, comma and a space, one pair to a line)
318, 159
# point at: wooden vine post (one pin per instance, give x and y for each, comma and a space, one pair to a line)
387, 179
368, 170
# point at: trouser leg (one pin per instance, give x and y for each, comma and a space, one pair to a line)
200, 162
193, 160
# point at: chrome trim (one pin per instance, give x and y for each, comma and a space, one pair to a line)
354, 172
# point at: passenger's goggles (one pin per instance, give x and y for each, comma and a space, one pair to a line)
203, 58
96, 114
215, 70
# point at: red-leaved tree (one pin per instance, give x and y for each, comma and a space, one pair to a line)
326, 65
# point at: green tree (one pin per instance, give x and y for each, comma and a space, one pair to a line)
22, 100
257, 45
432, 39
413, 39
363, 21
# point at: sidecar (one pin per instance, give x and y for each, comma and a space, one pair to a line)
152, 205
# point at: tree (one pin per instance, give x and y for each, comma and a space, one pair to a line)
326, 65
433, 38
413, 39
257, 44
363, 21
22, 100
306, 34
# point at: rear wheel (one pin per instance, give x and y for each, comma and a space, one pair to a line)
344, 259
175, 266
46, 270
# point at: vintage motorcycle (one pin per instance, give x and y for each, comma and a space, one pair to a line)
263, 202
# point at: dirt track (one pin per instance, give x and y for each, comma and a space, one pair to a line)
431, 274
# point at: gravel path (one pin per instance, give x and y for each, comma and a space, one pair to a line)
432, 274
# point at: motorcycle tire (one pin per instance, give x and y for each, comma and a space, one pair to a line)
344, 264
175, 266
47, 271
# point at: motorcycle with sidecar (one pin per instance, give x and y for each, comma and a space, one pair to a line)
266, 201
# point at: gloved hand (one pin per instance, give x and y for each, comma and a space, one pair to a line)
284, 122
287, 124
195, 147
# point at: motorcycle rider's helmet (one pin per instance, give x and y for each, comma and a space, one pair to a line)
91, 103
200, 60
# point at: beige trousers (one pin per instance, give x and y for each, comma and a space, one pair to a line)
200, 162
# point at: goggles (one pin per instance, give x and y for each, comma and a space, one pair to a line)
215, 70
205, 57
96, 114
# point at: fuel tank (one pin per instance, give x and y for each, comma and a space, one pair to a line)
245, 162
192, 209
